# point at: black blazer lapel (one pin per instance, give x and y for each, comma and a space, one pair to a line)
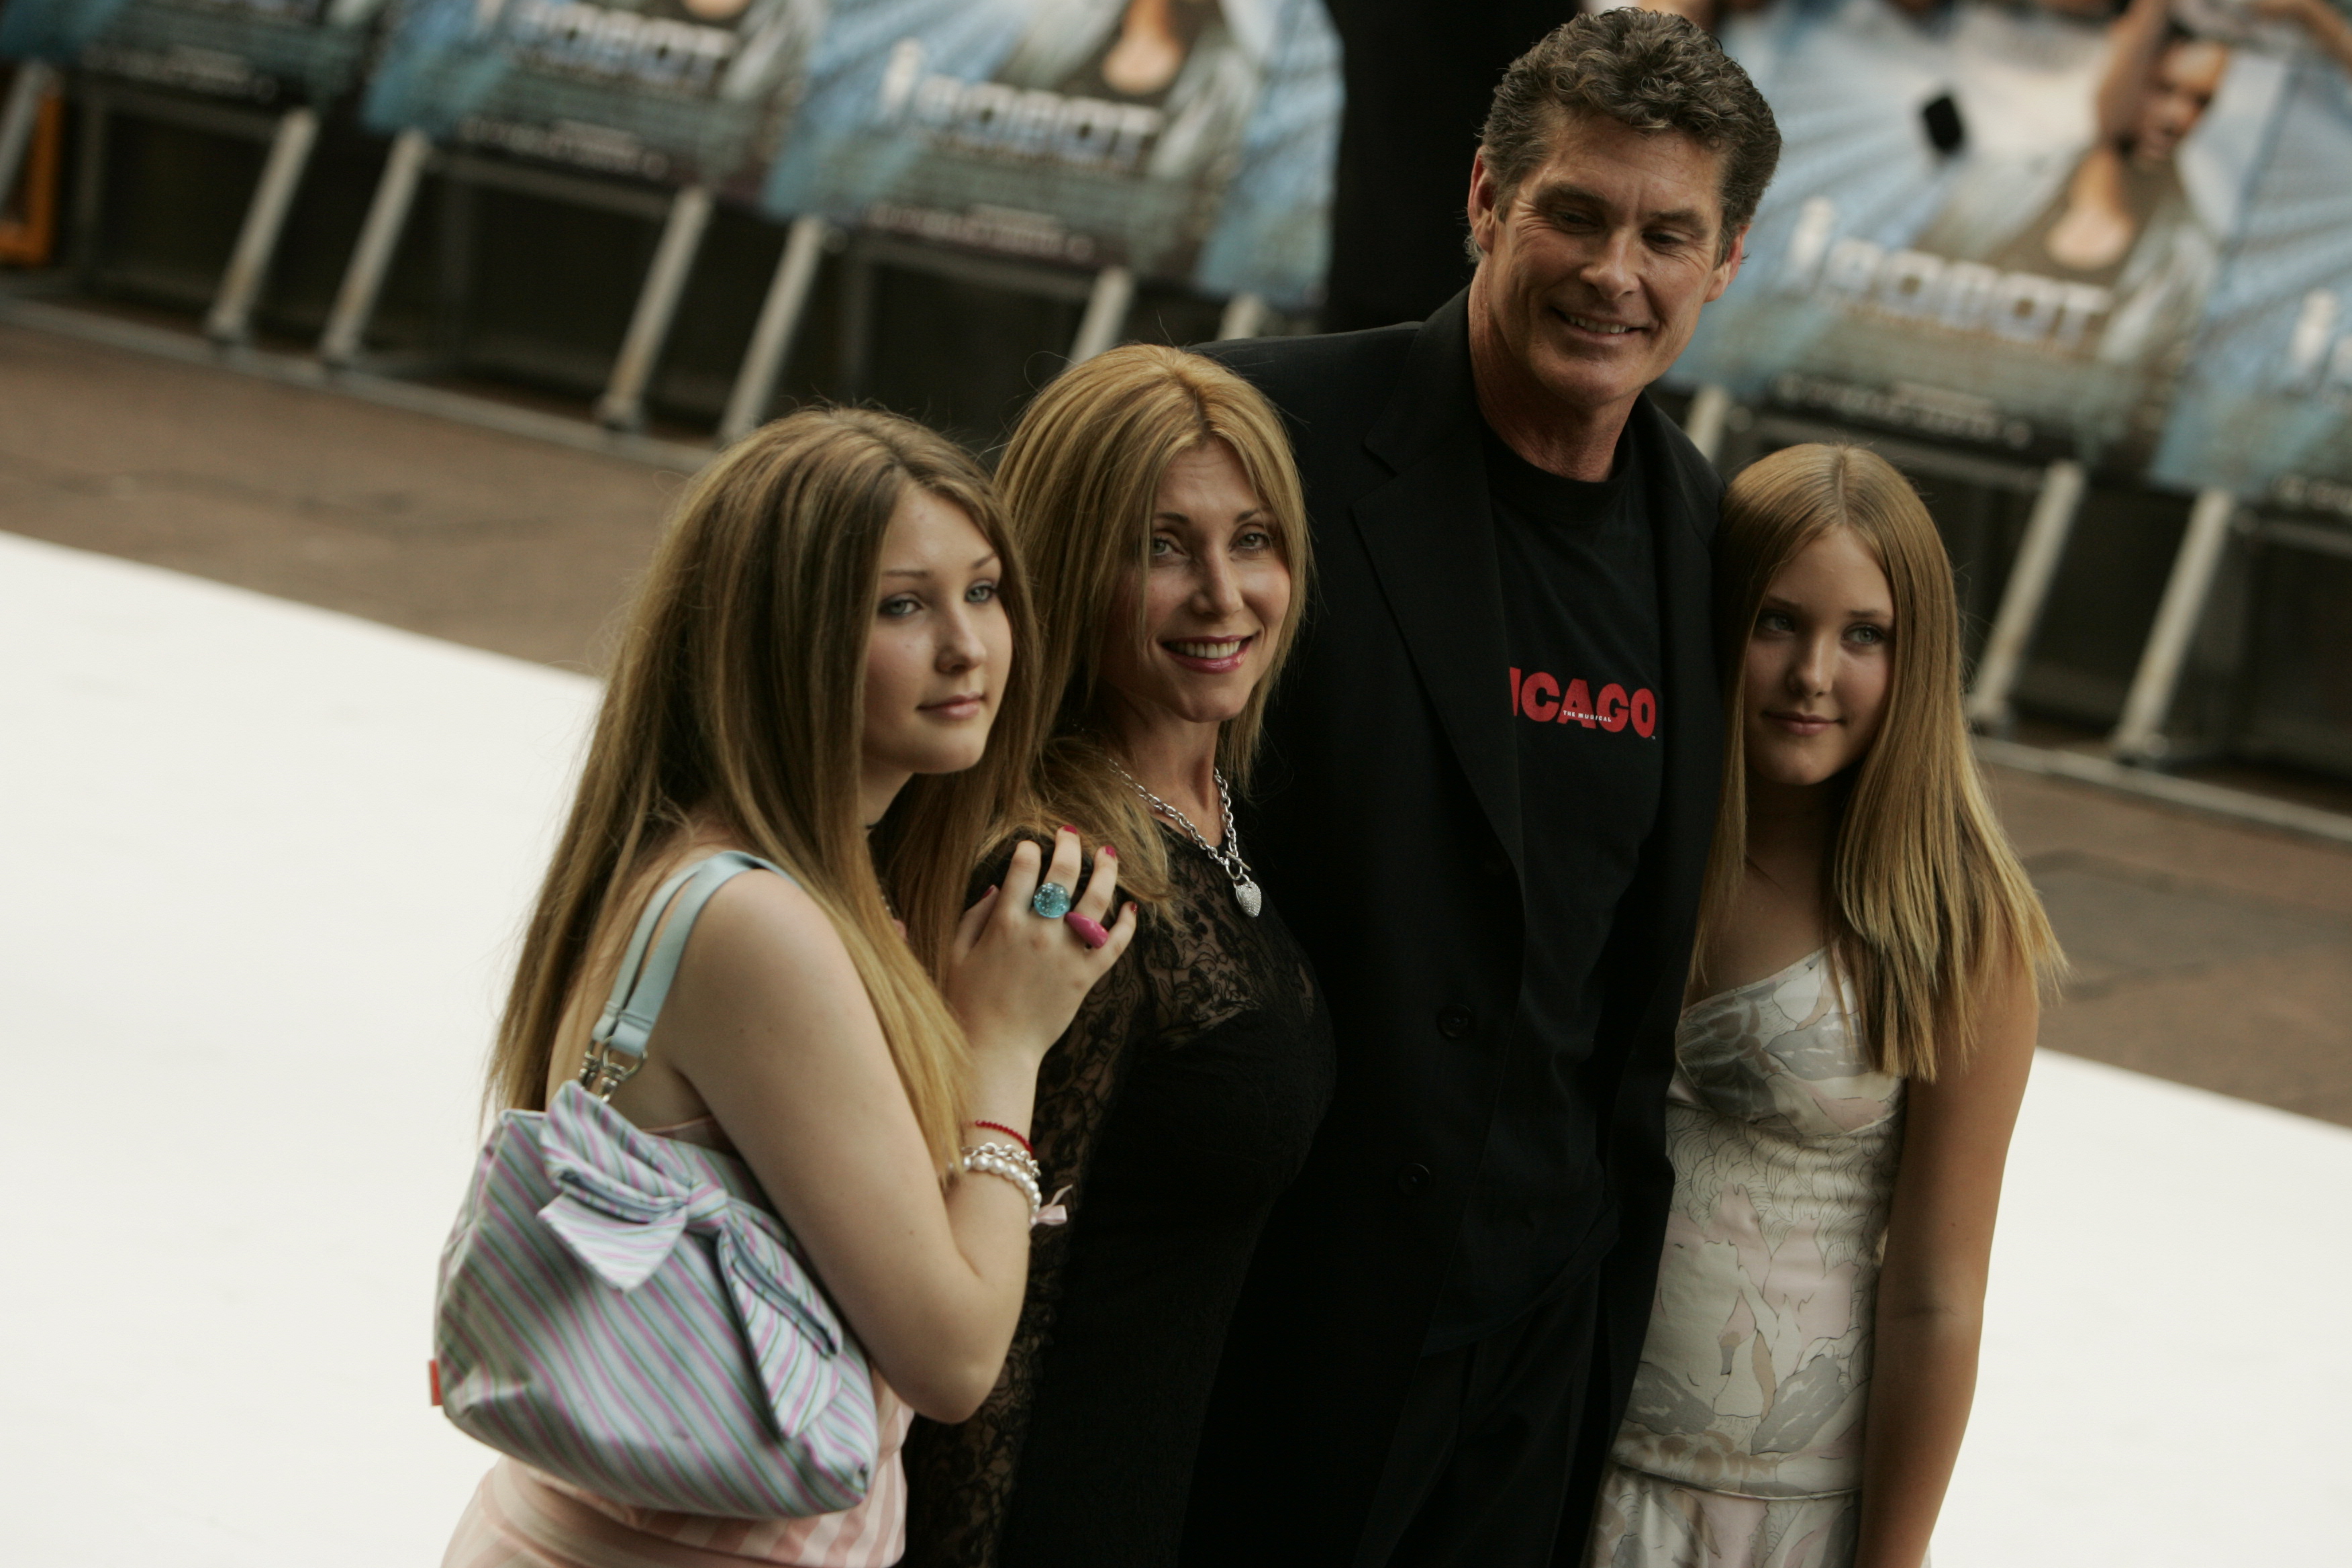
1430, 534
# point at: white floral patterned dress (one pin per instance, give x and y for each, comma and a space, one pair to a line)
1742, 1445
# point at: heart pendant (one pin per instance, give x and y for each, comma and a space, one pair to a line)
1251, 901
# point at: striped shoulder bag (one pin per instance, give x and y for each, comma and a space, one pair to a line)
626, 1313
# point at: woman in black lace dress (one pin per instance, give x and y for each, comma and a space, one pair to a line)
1153, 494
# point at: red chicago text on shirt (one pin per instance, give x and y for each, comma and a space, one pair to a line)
1538, 696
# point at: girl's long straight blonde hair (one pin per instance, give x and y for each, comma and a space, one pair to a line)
1929, 904
1080, 477
737, 698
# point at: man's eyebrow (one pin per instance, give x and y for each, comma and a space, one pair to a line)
1683, 218
1552, 196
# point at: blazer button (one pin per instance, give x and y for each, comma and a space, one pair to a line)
1412, 1176
1455, 1022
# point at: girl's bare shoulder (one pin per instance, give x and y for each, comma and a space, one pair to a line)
764, 932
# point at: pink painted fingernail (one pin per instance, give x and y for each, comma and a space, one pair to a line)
1111, 851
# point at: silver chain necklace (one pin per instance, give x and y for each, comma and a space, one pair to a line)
1229, 858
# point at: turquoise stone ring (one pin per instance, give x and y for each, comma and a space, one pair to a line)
1050, 900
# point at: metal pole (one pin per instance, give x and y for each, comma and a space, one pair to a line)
2139, 738
2038, 554
230, 320
1244, 316
623, 406
778, 323
396, 190
1106, 315
1710, 405
34, 81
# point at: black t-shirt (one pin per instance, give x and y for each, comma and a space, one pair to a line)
1580, 607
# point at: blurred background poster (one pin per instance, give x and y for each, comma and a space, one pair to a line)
675, 91
261, 51
2266, 405
1189, 140
1991, 225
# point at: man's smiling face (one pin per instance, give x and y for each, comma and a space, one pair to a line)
1593, 269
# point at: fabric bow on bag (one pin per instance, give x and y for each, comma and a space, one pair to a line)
620, 1310
626, 1312
624, 1199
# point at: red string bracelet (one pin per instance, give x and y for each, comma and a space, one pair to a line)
999, 1127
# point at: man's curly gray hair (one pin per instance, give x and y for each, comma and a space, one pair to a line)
1649, 71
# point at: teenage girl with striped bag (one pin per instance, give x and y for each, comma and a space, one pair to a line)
813, 668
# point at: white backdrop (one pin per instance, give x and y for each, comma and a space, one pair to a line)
263, 865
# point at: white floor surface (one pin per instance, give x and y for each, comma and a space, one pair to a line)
263, 866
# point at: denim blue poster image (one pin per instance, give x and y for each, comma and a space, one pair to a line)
673, 91
1961, 240
1189, 140
2265, 407
258, 51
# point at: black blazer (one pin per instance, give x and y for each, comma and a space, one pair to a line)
1387, 822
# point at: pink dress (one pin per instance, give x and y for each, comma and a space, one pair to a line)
524, 1518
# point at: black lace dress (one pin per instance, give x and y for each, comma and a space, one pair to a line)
1177, 1107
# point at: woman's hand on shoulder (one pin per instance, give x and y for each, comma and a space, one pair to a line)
1015, 977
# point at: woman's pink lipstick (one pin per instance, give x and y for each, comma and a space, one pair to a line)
1223, 666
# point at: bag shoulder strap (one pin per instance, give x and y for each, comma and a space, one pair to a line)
617, 1046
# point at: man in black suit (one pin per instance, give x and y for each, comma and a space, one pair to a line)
1493, 772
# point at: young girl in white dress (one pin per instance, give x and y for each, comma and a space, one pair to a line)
1865, 998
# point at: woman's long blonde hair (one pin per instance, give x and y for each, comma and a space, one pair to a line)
1928, 902
1080, 477
738, 699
